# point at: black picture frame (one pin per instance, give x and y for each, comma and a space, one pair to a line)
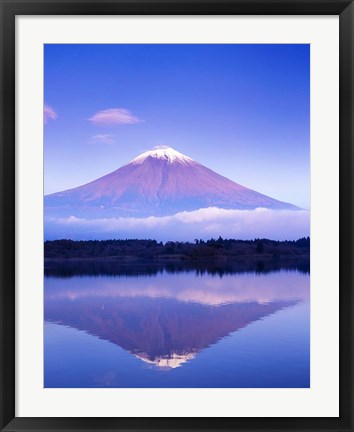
9, 10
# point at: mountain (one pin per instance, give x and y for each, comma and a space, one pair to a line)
159, 182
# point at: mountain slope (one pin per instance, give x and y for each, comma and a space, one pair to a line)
159, 182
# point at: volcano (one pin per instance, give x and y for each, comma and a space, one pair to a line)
159, 182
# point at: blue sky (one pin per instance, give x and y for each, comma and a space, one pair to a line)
241, 110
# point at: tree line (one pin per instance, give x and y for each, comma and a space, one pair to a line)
152, 249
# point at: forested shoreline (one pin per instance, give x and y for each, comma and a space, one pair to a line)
134, 249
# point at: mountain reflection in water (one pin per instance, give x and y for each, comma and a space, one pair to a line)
167, 318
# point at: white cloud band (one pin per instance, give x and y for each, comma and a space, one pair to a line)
203, 223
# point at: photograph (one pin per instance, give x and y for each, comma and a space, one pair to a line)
176, 215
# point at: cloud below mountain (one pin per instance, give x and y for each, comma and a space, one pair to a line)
186, 226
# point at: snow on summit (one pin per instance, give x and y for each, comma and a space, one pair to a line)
165, 153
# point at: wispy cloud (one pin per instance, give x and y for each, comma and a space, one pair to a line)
160, 146
49, 113
114, 116
203, 223
102, 139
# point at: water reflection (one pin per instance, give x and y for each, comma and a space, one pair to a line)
70, 268
167, 319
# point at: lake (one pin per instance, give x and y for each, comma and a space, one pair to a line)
172, 325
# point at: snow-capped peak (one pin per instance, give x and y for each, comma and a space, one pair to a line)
166, 153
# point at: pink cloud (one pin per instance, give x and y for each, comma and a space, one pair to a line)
102, 139
113, 116
49, 113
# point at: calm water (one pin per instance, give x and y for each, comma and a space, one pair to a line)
147, 326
